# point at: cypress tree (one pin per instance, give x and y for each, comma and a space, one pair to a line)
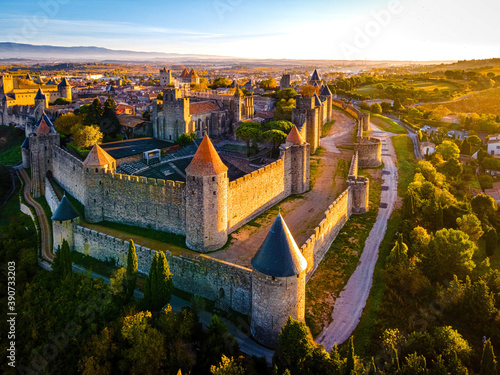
149, 288
351, 359
57, 263
488, 362
153, 279
373, 368
466, 147
165, 284
67, 268
491, 242
132, 267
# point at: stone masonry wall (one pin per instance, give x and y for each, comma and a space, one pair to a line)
229, 285
50, 196
325, 233
144, 202
68, 172
252, 194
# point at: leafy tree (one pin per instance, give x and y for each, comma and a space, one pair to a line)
439, 218
397, 106
275, 137
484, 207
478, 305
132, 267
450, 343
466, 148
414, 365
376, 108
485, 181
386, 107
399, 253
227, 366
268, 84
470, 225
294, 345
488, 361
249, 132
62, 101
94, 113
450, 253
87, 136
309, 91
109, 122
221, 82
284, 126
491, 242
68, 123
448, 150
185, 139
286, 94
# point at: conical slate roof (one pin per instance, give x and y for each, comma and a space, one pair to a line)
317, 101
45, 118
64, 211
26, 143
64, 83
238, 92
206, 161
193, 74
294, 137
325, 91
43, 128
97, 157
315, 76
40, 95
185, 73
39, 80
279, 255
28, 77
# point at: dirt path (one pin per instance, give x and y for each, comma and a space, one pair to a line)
352, 300
301, 215
46, 232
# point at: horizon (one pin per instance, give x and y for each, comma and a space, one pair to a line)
396, 30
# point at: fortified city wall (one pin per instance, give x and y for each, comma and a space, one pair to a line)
252, 194
68, 172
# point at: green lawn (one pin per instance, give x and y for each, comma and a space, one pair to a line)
338, 265
406, 161
427, 85
326, 128
12, 156
386, 124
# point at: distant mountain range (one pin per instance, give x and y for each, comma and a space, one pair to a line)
30, 53
90, 54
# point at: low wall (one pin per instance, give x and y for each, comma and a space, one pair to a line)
325, 233
252, 194
353, 171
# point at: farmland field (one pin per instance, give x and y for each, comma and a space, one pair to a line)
486, 102
428, 85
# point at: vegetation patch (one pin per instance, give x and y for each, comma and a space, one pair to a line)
403, 146
326, 128
386, 124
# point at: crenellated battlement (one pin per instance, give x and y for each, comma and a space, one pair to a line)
259, 172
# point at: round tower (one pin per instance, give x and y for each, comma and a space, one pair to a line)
97, 163
299, 163
238, 104
64, 89
62, 223
206, 200
278, 284
40, 103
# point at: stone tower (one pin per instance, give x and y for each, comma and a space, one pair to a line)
5, 115
166, 78
327, 99
62, 223
176, 116
97, 163
238, 105
40, 103
285, 82
206, 199
249, 107
297, 162
306, 114
315, 79
64, 89
278, 284
40, 144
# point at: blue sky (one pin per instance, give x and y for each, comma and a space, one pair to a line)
355, 29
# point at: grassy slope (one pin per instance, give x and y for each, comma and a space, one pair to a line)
387, 124
487, 102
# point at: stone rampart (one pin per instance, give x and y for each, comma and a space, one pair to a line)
252, 194
325, 233
353, 170
68, 173
50, 196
